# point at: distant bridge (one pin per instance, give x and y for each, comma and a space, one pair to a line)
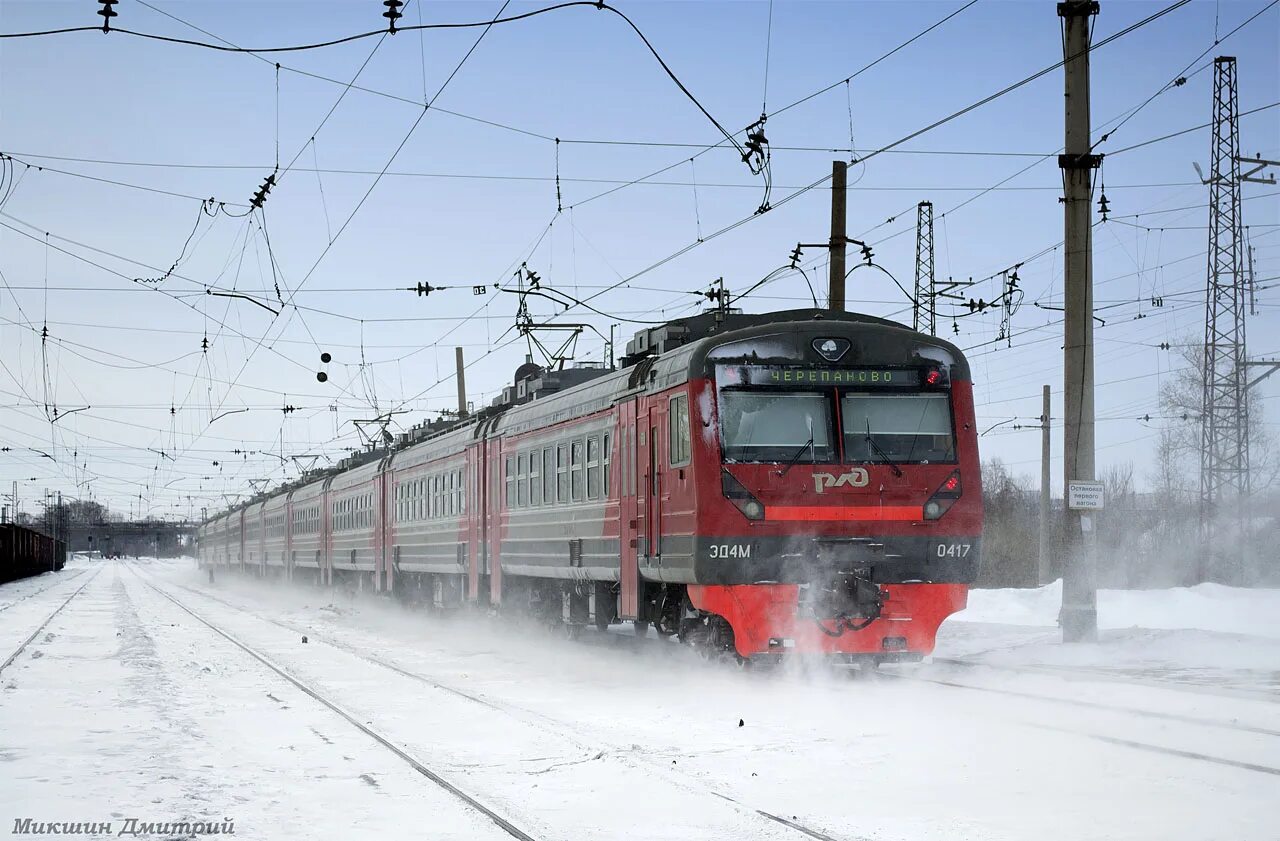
144, 537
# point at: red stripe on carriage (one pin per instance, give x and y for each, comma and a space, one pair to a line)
811, 513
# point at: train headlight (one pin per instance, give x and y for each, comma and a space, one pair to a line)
741, 498
944, 497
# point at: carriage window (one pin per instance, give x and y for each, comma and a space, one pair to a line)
511, 482
549, 475
776, 426
608, 457
593, 468
535, 478
902, 428
678, 418
562, 473
522, 480
575, 473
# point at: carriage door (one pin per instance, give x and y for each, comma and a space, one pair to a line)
649, 426
624, 467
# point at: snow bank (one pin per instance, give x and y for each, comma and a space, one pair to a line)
1206, 607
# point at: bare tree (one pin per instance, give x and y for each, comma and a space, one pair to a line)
1010, 534
1177, 477
1182, 404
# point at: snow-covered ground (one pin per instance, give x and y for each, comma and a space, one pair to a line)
1205, 607
128, 705
1219, 638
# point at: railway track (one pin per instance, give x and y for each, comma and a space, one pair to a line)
560, 729
1085, 673
470, 800
950, 684
17, 652
1075, 702
57, 580
1114, 708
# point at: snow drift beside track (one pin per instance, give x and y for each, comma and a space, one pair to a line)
1205, 607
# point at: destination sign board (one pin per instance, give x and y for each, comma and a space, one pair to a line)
783, 376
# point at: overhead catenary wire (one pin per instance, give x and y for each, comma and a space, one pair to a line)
382, 33
899, 142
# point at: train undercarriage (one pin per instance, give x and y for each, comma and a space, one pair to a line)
842, 616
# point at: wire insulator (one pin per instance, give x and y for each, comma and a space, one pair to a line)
107, 13
392, 14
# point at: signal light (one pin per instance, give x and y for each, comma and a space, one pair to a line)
953, 482
933, 377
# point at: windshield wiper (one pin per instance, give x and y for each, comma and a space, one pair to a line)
796, 458
897, 471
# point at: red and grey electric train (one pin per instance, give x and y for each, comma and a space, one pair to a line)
793, 482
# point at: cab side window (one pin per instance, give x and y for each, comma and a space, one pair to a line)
678, 419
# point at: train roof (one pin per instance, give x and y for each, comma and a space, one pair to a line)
785, 337
657, 358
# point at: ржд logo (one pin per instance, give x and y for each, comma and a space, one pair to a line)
856, 478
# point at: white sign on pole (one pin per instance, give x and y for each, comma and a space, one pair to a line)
1084, 496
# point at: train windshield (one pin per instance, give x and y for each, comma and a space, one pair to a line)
776, 426
901, 428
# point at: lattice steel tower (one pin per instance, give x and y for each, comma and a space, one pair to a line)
924, 270
1224, 440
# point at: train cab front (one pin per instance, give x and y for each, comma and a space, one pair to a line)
846, 520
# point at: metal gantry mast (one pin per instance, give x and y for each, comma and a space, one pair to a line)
1224, 437
924, 291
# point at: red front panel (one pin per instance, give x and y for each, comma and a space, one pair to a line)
764, 619
809, 505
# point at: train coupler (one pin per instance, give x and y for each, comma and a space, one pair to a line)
847, 601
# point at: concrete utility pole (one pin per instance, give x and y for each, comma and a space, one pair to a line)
1042, 577
839, 233
1079, 616
462, 382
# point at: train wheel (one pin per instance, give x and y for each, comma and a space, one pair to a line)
641, 627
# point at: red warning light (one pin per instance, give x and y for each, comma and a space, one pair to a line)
933, 377
952, 483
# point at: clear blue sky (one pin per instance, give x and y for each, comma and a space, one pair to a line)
464, 202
